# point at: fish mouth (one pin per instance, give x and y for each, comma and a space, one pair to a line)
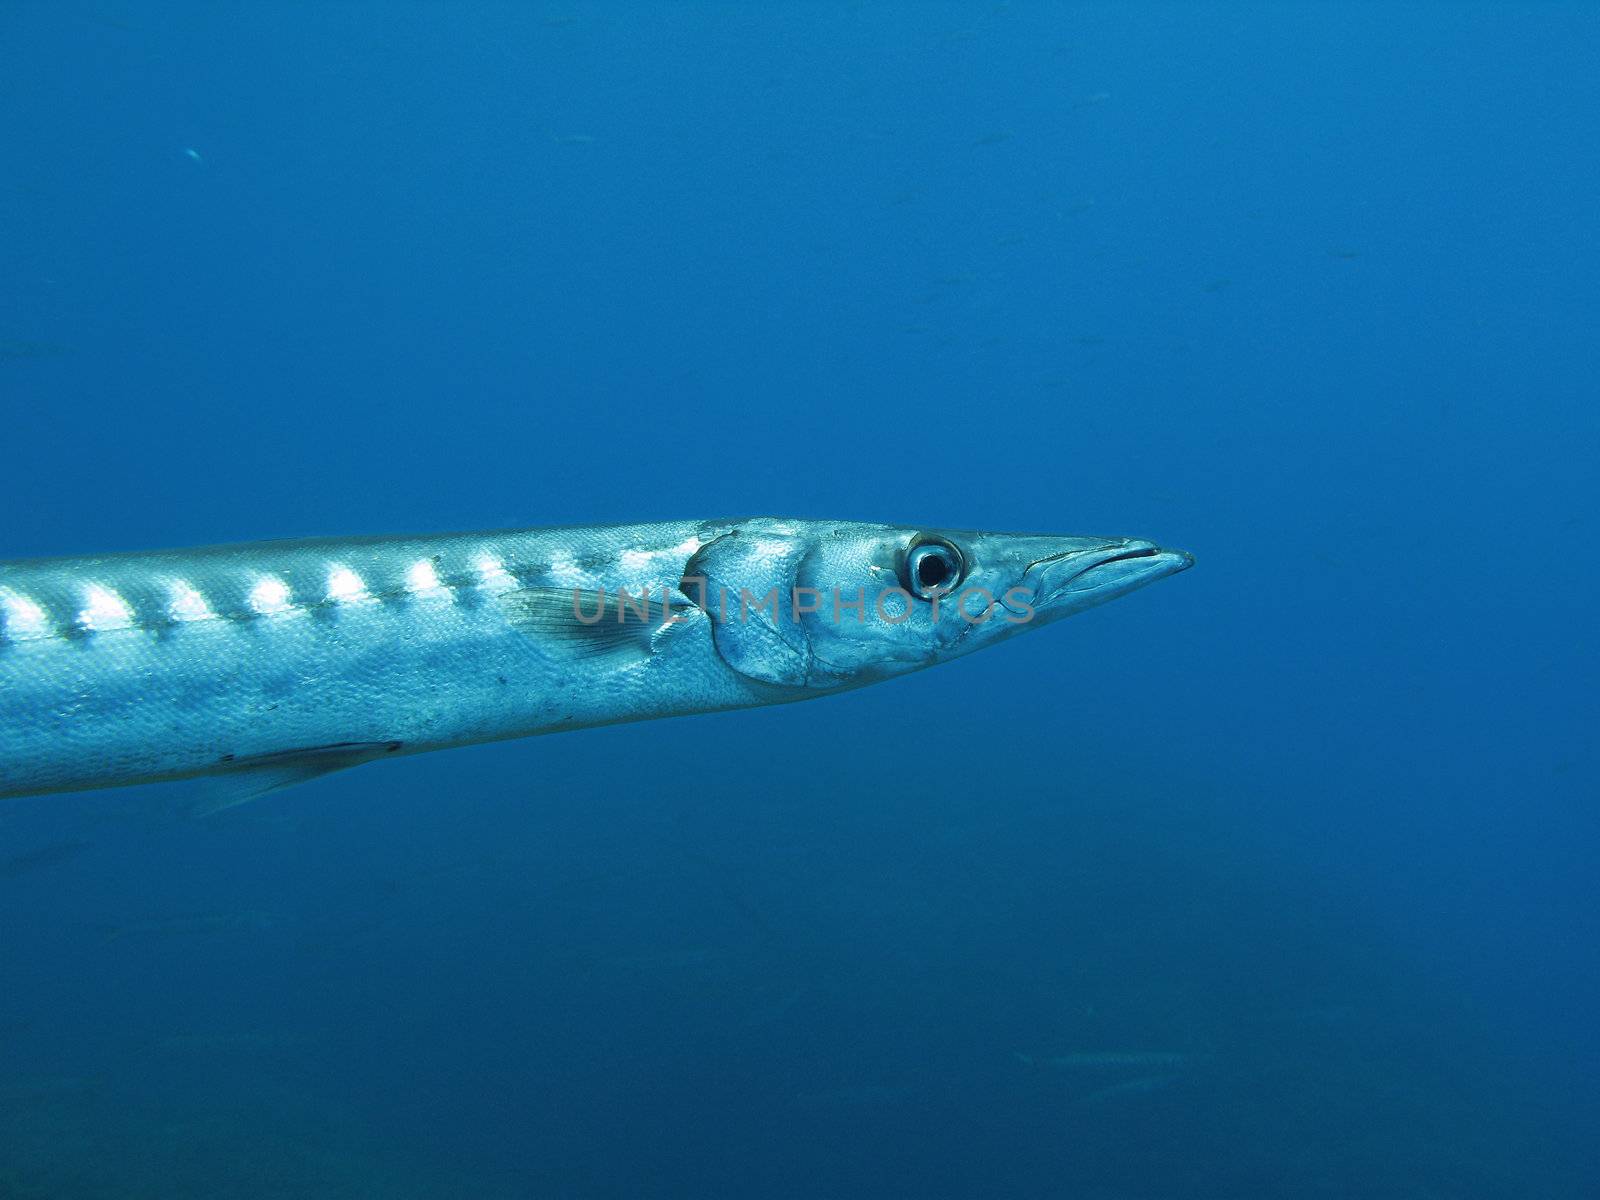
1080, 579
1134, 563
1125, 555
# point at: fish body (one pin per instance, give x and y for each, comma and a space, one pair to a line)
272, 662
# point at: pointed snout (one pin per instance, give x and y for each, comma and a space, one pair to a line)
1105, 569
1158, 560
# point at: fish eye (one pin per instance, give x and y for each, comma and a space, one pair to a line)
932, 569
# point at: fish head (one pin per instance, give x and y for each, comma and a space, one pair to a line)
826, 605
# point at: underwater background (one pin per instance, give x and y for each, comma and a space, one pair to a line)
1275, 880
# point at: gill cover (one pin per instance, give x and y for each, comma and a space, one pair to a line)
819, 609
744, 580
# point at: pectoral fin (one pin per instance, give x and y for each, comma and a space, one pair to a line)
593, 624
243, 779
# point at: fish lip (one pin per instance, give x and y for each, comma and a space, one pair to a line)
1169, 562
1112, 570
1158, 562
1144, 551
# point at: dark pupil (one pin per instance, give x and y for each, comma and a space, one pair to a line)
931, 570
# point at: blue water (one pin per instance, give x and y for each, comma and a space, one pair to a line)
1307, 290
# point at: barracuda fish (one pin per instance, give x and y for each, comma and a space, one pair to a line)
266, 664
